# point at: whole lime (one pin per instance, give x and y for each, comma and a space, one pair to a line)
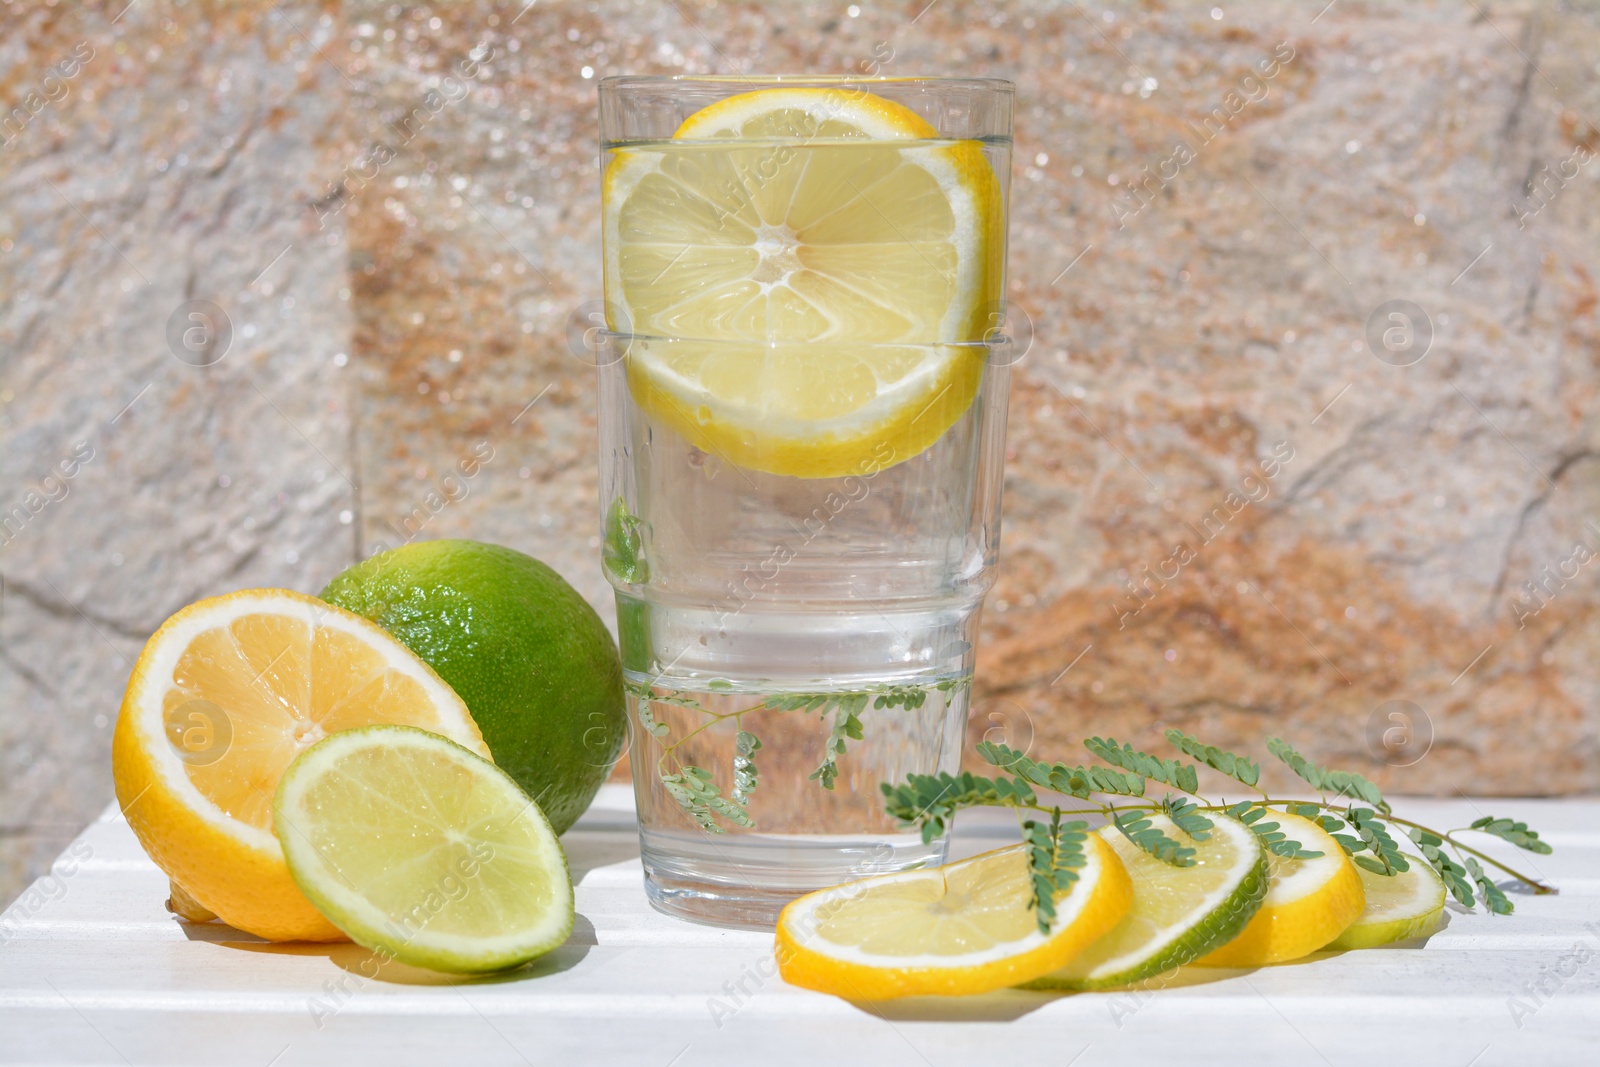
529, 656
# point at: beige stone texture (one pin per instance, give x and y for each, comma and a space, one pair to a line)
391, 312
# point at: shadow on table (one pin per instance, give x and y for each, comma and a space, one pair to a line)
1008, 1005
367, 965
587, 850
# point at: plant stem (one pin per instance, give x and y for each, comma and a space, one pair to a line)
714, 719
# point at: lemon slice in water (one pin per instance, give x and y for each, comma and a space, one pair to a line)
780, 218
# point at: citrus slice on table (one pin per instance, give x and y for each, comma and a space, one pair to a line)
1408, 904
225, 694
1309, 902
783, 217
422, 851
1178, 913
962, 928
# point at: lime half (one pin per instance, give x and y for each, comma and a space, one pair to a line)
418, 849
1399, 906
1179, 913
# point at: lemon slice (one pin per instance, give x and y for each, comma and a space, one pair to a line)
784, 217
223, 697
962, 928
1309, 902
423, 851
1178, 913
1408, 904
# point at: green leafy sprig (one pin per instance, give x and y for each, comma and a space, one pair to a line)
1362, 830
1055, 854
692, 787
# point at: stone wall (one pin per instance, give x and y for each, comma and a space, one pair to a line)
1205, 255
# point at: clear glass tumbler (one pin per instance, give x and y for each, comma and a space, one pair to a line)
802, 425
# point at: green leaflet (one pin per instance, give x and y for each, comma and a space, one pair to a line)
1136, 827
1455, 876
1186, 816
929, 800
696, 794
1055, 854
1274, 839
847, 709
1167, 772
1496, 901
1239, 768
1386, 857
1326, 779
1075, 781
745, 774
648, 721
1515, 832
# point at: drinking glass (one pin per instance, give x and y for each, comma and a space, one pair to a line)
798, 572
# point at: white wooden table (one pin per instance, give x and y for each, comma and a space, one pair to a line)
94, 971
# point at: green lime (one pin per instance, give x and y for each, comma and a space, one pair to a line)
529, 656
422, 851
1179, 913
1399, 906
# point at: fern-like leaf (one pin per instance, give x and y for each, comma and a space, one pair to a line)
1185, 815
1168, 772
1515, 832
1493, 898
1272, 837
1055, 854
1239, 768
1455, 876
745, 774
695, 792
929, 801
1137, 827
1386, 859
847, 709
1326, 779
647, 720
1078, 781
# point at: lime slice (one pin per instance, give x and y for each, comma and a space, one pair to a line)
963, 928
1178, 913
1408, 904
417, 848
1309, 902
784, 217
